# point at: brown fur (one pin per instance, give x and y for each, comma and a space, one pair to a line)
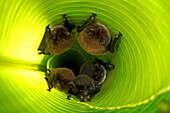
59, 43
91, 41
61, 77
83, 80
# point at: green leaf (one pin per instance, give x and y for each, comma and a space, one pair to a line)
141, 57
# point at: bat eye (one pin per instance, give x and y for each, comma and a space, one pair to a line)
80, 87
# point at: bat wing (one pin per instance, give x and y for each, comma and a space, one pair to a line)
43, 43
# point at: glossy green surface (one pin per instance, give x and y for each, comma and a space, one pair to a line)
142, 59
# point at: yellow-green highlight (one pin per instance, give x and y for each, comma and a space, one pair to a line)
141, 58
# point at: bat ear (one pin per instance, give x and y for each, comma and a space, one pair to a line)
46, 79
72, 84
92, 88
